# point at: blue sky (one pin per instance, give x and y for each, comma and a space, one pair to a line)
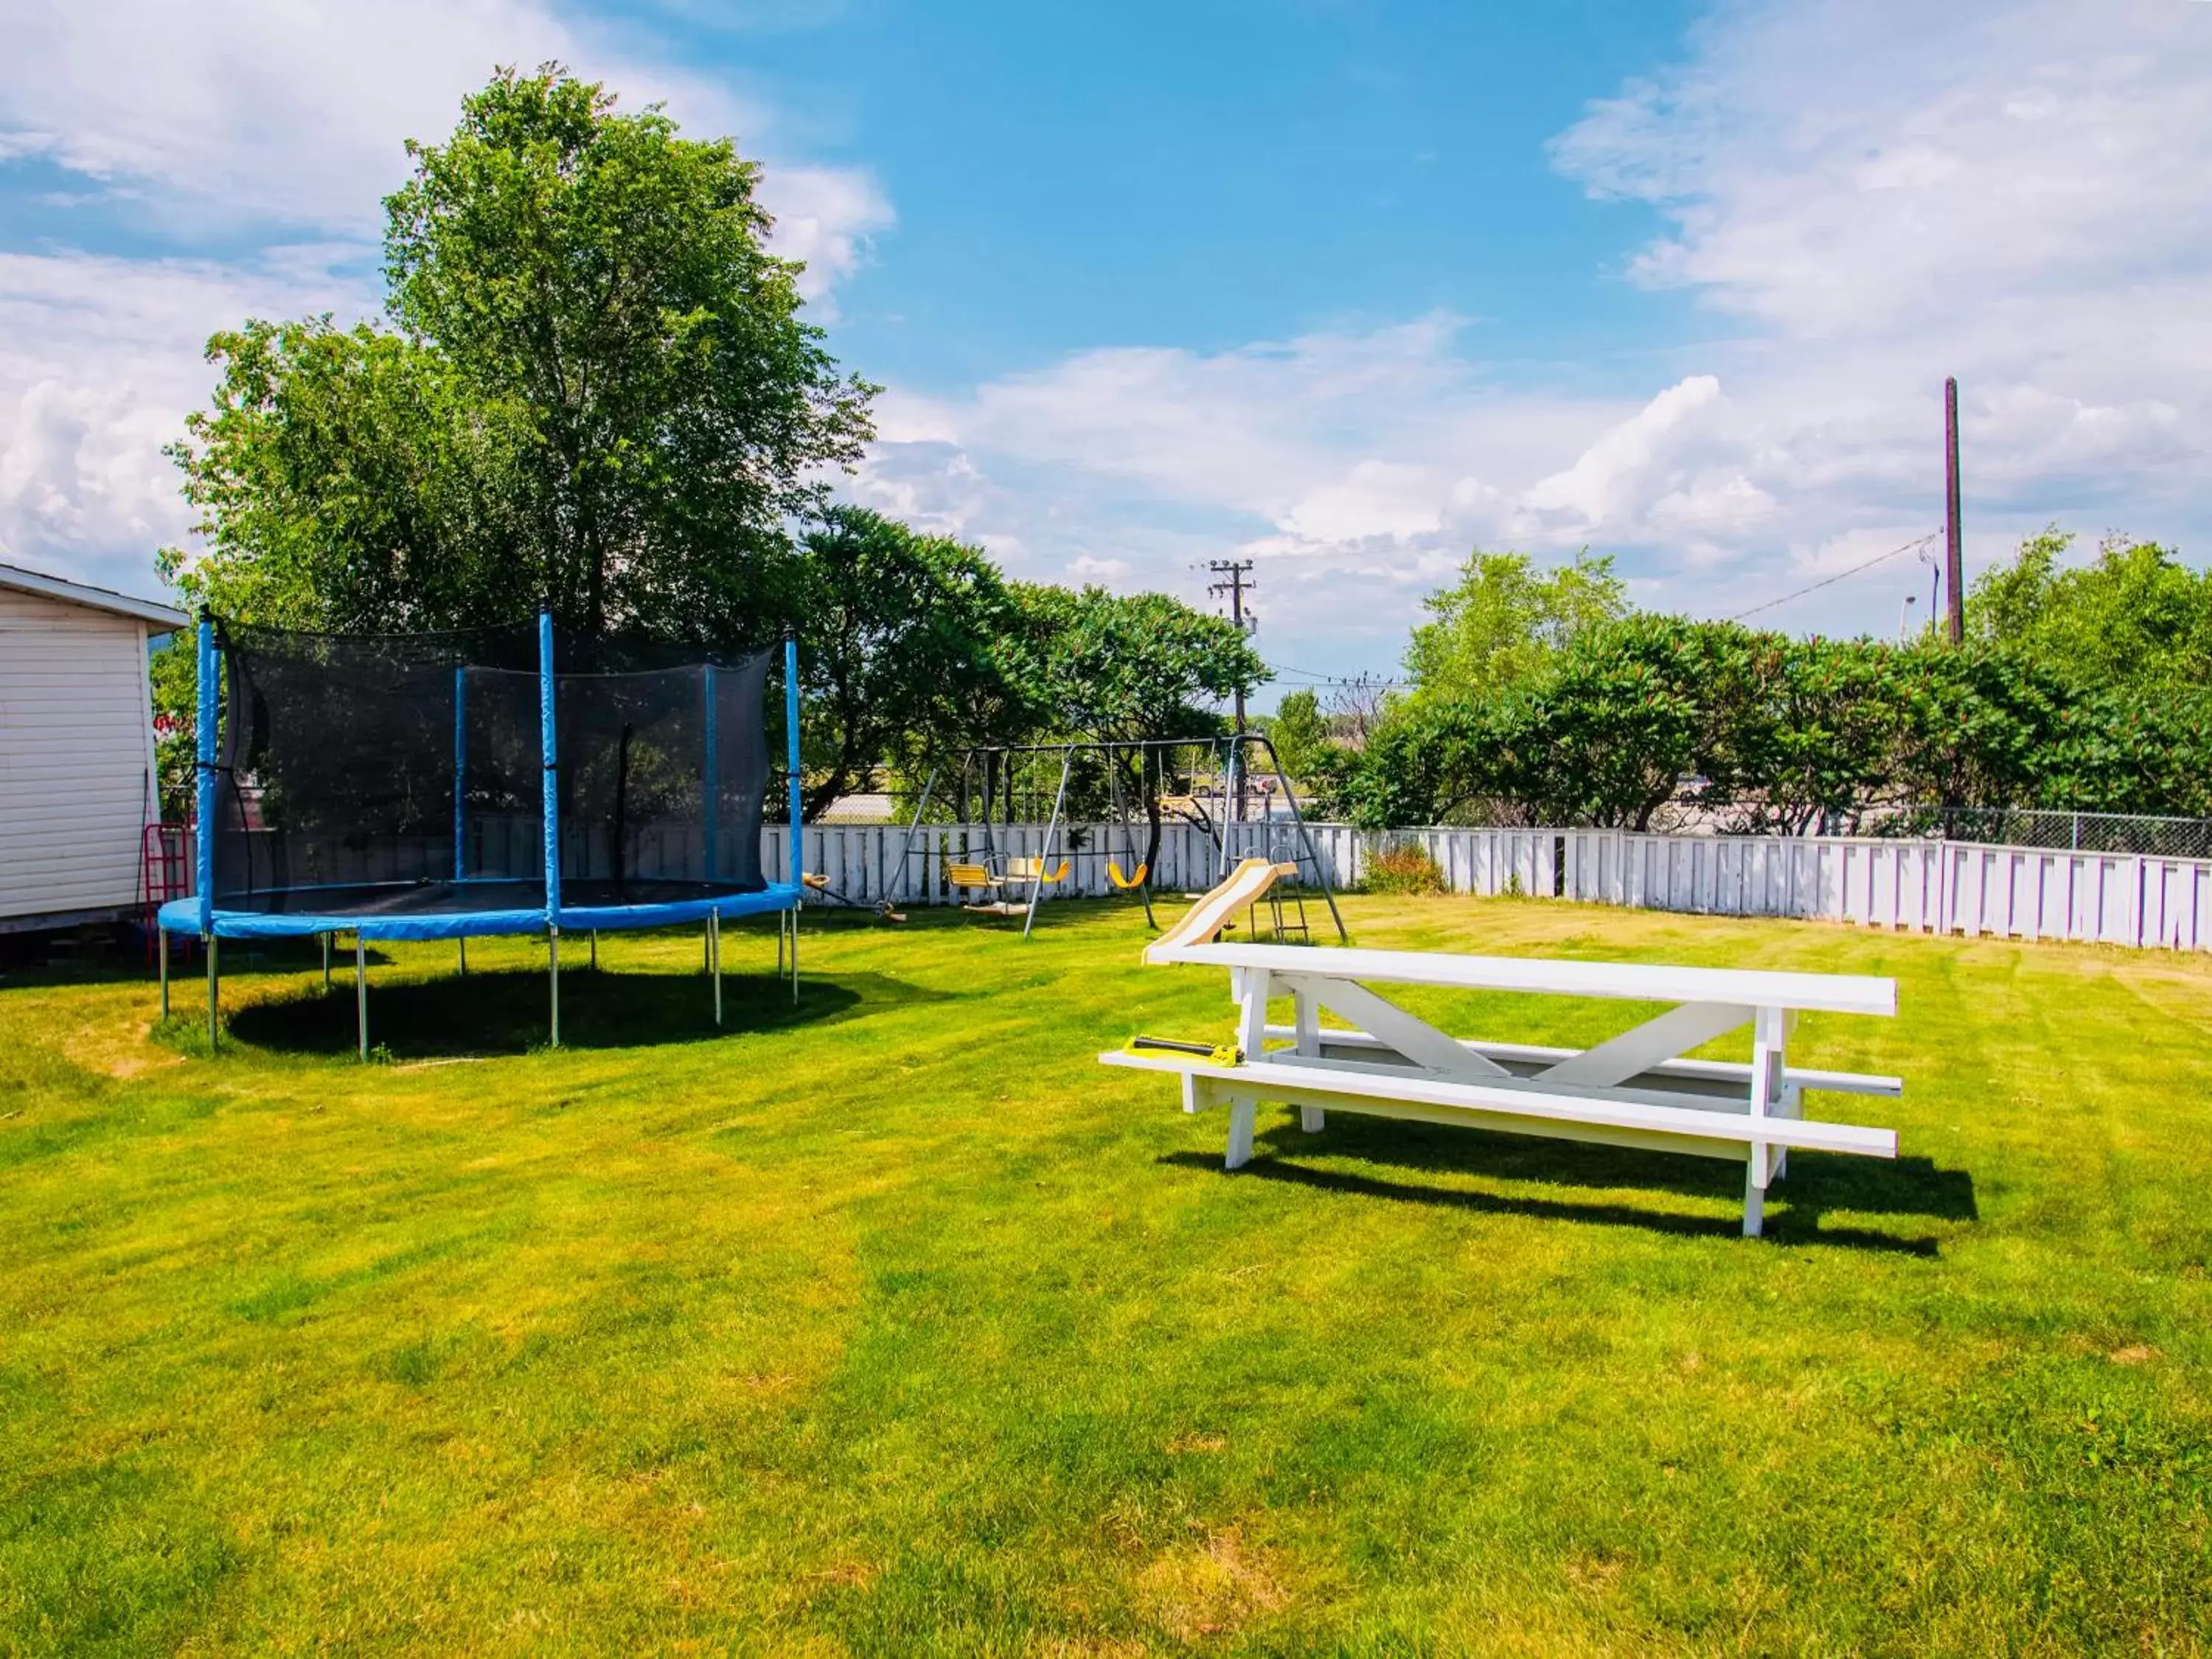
1346, 289
1209, 176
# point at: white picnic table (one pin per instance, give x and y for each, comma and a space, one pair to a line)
1634, 1089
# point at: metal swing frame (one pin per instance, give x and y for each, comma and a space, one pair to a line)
997, 759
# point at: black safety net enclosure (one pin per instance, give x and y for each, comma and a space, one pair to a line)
405, 776
663, 771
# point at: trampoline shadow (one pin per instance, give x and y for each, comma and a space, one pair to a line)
505, 1013
1797, 1207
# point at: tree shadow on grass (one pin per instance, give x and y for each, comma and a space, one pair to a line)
507, 1011
1816, 1183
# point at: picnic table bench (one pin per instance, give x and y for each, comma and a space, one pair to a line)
1635, 1089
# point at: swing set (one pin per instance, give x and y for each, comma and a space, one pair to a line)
1211, 783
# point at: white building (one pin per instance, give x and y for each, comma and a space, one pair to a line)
77, 783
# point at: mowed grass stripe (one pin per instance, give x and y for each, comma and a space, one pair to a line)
898, 1325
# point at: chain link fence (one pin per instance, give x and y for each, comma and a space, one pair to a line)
2028, 826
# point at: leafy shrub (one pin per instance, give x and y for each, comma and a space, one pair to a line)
1403, 868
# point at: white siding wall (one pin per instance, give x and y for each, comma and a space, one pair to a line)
76, 755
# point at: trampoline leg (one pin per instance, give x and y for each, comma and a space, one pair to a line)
595, 949
464, 943
782, 926
715, 954
214, 974
360, 989
794, 958
553, 976
164, 948
325, 938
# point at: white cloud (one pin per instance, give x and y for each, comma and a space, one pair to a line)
1615, 476
279, 123
1872, 194
825, 216
100, 361
230, 113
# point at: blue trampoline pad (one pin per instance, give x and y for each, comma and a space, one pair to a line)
471, 909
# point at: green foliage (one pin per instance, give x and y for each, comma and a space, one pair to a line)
1622, 716
2134, 616
1299, 733
1504, 619
1131, 667
1769, 732
904, 648
173, 675
352, 480
1603, 735
600, 394
1401, 867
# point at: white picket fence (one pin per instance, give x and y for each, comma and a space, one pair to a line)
1922, 886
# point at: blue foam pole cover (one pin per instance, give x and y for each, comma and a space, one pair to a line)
205, 851
549, 741
791, 747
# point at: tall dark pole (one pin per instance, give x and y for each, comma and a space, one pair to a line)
1238, 571
1954, 573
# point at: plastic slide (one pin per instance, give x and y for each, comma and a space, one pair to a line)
1246, 884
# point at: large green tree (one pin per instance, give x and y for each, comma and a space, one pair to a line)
597, 390
1132, 668
2133, 615
352, 479
905, 646
1505, 618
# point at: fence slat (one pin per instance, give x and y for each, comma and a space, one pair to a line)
1915, 886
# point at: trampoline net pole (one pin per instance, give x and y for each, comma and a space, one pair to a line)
791, 753
550, 814
164, 947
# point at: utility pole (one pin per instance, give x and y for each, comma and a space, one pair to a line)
1239, 583
1953, 571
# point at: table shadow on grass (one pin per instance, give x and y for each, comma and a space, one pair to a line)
1796, 1206
505, 1011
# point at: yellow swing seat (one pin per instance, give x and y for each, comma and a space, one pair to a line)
970, 875
1033, 870
1122, 884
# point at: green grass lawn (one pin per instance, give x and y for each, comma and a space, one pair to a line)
896, 1324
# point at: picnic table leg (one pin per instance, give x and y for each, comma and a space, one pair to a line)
1790, 1100
1243, 1108
1249, 986
1311, 1118
1767, 1044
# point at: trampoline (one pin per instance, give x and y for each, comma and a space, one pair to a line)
497, 782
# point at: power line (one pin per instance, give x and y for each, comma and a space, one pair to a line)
1826, 582
1320, 678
